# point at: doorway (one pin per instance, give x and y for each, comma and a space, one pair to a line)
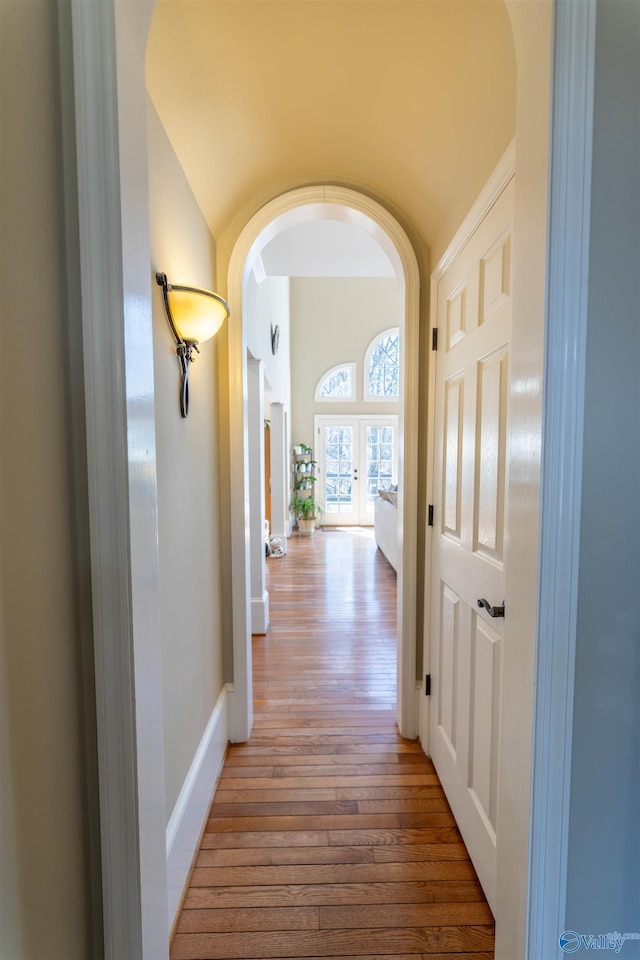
344, 205
356, 457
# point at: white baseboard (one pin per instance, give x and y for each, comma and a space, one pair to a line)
260, 613
188, 817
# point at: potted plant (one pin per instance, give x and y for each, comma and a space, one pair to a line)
306, 510
304, 484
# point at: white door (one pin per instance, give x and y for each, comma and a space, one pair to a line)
356, 456
468, 561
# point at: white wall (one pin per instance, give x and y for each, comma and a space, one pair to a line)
604, 831
45, 908
266, 305
333, 320
188, 487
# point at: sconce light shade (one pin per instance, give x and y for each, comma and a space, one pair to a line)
197, 314
194, 316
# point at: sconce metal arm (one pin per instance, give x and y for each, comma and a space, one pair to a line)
185, 357
161, 280
184, 348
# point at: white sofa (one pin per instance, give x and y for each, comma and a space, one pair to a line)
385, 525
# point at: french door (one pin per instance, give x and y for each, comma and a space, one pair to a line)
356, 456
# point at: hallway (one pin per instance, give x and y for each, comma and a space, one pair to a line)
329, 835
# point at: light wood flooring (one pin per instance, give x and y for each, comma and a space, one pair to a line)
330, 835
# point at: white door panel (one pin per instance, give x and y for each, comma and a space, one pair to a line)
468, 561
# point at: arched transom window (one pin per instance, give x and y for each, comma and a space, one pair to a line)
338, 383
382, 367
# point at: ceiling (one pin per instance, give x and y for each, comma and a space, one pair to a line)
324, 248
411, 101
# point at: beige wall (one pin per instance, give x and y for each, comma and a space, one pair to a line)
44, 901
333, 320
188, 489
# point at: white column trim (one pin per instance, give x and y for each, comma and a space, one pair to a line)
257, 563
279, 475
565, 348
260, 614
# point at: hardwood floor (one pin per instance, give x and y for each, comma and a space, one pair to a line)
330, 835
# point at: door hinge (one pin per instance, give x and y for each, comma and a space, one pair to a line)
430, 520
427, 685
434, 338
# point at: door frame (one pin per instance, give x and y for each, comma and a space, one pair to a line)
376, 419
108, 287
99, 118
565, 335
351, 206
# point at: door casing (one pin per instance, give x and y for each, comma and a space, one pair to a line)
338, 203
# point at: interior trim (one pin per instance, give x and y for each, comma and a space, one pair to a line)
189, 816
563, 425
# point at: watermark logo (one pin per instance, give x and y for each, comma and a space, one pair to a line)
570, 941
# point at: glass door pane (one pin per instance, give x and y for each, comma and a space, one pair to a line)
338, 445
380, 466
356, 457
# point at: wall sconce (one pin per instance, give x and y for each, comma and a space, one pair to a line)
194, 316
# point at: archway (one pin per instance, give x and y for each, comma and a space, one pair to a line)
337, 203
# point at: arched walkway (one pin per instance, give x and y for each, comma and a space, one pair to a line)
337, 203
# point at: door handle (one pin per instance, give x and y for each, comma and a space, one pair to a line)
492, 611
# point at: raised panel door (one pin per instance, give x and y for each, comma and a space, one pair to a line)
468, 559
